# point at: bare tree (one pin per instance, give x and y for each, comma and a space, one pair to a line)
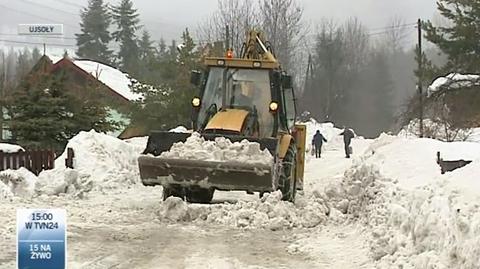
357, 44
281, 20
238, 15
396, 34
325, 95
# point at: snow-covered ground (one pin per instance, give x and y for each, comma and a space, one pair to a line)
387, 207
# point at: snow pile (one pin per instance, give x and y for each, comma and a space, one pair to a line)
327, 129
268, 213
413, 162
139, 143
418, 217
220, 150
10, 148
101, 162
453, 81
19, 182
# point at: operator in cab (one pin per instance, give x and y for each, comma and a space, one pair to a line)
243, 95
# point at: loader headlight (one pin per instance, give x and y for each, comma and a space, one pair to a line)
257, 64
273, 106
196, 102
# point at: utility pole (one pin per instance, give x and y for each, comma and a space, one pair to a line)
308, 85
2, 91
306, 88
420, 74
227, 38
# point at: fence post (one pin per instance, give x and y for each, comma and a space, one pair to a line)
2, 160
51, 159
69, 159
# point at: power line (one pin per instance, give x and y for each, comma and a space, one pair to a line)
393, 26
384, 32
34, 15
70, 3
40, 36
47, 7
37, 43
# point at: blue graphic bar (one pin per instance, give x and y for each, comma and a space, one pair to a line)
41, 239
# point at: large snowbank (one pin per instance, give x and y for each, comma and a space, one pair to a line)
453, 81
417, 217
413, 161
10, 148
222, 150
101, 162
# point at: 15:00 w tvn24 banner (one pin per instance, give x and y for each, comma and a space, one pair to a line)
41, 239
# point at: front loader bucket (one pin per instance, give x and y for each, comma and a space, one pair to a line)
231, 175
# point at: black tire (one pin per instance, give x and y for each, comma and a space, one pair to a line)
288, 176
199, 195
176, 191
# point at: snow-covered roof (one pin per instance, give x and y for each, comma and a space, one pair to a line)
113, 78
453, 81
10, 148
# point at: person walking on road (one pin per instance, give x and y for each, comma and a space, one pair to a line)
348, 134
317, 142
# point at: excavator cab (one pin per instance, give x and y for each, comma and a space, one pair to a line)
238, 98
235, 90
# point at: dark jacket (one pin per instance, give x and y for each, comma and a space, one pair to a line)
318, 139
347, 135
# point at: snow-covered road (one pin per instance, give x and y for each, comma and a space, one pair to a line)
387, 207
123, 228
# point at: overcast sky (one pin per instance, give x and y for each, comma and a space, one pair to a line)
167, 18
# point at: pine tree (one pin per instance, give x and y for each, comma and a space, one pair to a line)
94, 38
127, 22
44, 114
169, 106
147, 51
35, 55
147, 59
182, 90
459, 40
162, 48
38, 113
89, 112
24, 64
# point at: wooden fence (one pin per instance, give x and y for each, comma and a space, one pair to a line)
35, 160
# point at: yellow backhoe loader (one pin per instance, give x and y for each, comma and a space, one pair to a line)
251, 98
